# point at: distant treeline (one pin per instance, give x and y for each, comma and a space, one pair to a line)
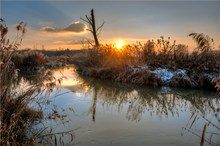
53, 53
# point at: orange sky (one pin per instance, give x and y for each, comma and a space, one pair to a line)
57, 24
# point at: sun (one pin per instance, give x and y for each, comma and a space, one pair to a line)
119, 44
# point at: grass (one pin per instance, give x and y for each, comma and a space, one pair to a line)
110, 63
29, 60
107, 62
17, 116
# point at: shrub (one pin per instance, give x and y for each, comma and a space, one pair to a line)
149, 52
165, 49
181, 55
29, 59
163, 53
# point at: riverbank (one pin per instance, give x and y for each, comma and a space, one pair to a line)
118, 67
145, 75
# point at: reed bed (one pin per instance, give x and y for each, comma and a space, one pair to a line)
201, 66
17, 114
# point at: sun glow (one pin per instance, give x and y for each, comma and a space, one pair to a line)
119, 44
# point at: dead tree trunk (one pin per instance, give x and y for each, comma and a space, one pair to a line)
94, 29
90, 20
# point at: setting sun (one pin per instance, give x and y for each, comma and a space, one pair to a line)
119, 45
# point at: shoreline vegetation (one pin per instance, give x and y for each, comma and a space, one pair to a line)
156, 63
112, 64
161, 62
138, 64
22, 104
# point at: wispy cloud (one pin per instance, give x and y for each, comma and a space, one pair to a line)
75, 27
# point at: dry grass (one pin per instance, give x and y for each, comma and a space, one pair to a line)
216, 81
184, 82
142, 77
29, 60
110, 63
16, 114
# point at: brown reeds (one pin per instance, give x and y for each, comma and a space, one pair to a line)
29, 59
110, 63
16, 114
14, 111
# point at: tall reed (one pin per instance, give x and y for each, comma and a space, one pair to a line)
16, 114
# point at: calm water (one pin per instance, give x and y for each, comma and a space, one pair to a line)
104, 113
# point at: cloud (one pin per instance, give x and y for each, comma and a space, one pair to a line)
66, 42
74, 42
75, 27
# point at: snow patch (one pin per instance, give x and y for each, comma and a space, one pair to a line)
180, 73
145, 67
211, 76
164, 74
137, 69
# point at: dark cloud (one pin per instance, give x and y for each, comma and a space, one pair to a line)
76, 27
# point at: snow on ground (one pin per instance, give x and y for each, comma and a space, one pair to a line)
164, 74
145, 67
180, 73
137, 69
211, 76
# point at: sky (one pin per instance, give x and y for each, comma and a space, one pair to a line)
57, 24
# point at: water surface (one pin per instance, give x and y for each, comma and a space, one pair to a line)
106, 113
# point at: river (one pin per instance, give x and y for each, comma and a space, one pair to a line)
106, 113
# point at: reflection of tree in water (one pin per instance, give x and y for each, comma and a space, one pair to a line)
55, 115
93, 107
43, 78
162, 102
152, 100
201, 104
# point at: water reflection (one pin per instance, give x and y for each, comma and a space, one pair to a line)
202, 106
162, 102
137, 115
43, 79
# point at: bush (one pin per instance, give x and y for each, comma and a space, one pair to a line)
110, 62
149, 52
181, 55
29, 59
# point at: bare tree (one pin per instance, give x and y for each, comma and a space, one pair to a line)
90, 20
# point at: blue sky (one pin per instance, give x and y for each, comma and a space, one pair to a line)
127, 20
